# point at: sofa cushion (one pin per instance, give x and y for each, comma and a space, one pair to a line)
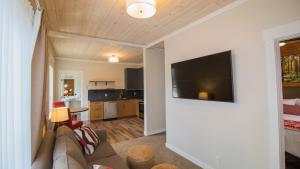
115, 162
43, 159
66, 162
64, 146
104, 149
66, 131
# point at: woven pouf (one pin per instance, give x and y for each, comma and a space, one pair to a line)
140, 157
165, 166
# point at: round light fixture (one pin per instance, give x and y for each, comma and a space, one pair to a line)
113, 59
141, 8
282, 44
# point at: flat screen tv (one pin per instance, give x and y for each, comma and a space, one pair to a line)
204, 78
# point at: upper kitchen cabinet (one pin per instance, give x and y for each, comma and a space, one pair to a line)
131, 78
134, 79
140, 77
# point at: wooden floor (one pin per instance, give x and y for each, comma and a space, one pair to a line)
120, 130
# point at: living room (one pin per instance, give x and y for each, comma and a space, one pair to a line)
243, 129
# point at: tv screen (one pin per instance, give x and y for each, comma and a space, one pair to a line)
204, 78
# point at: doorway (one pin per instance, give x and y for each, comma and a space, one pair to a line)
290, 70
272, 38
70, 89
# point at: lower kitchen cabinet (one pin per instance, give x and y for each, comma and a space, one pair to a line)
127, 108
96, 110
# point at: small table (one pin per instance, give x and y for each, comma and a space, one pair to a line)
75, 111
78, 110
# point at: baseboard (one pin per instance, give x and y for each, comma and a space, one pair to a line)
149, 133
189, 157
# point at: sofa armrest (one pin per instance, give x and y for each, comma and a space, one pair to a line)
101, 134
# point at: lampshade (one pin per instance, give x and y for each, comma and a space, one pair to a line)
59, 114
203, 95
141, 8
113, 59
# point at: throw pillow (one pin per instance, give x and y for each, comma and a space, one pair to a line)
87, 138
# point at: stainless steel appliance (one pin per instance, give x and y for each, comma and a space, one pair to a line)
141, 109
110, 110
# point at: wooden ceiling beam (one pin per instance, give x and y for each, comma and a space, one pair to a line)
56, 34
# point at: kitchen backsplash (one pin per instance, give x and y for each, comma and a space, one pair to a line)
114, 94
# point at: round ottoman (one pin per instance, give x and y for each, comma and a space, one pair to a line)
165, 166
140, 157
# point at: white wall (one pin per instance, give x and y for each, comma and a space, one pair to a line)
227, 135
154, 78
51, 62
92, 71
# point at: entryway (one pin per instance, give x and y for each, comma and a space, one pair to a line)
272, 39
70, 89
290, 70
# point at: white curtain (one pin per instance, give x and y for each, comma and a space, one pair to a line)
18, 31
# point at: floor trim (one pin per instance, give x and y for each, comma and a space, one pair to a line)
188, 157
149, 133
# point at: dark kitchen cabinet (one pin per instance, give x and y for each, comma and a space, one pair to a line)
131, 78
140, 78
134, 78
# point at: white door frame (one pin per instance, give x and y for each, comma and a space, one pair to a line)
274, 86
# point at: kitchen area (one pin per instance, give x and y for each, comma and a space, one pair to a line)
111, 104
113, 95
109, 84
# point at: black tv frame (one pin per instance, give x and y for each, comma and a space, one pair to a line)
231, 78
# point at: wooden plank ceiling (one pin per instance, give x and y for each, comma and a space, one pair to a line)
107, 19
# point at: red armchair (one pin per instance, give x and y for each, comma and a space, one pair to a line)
72, 123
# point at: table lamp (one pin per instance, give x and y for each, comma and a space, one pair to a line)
59, 115
203, 95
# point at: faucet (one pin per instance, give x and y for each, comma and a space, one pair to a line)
121, 94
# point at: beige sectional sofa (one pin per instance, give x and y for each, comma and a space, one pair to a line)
65, 152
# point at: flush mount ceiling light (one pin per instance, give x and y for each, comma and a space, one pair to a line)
113, 59
282, 44
141, 8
